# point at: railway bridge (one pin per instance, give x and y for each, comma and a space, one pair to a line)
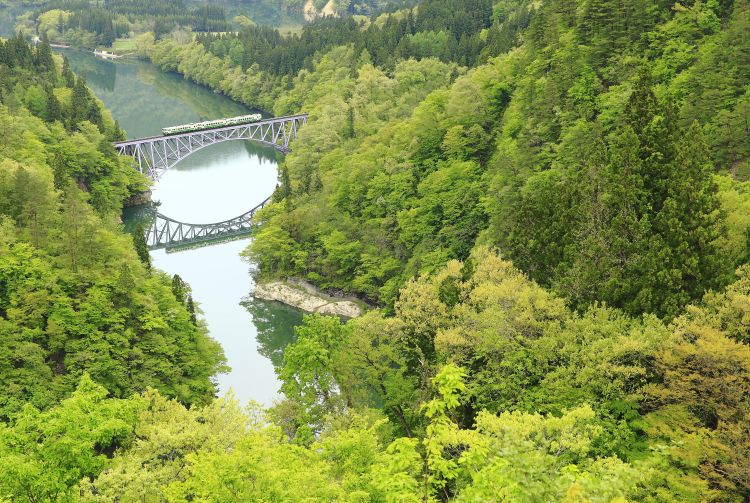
154, 155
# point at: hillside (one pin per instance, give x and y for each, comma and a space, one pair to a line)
75, 299
517, 153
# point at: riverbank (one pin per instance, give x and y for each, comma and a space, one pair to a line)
306, 297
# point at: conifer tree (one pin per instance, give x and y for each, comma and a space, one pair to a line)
350, 133
191, 309
141, 247
59, 173
67, 73
79, 102
53, 108
180, 289
685, 257
44, 61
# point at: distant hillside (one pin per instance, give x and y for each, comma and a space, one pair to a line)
287, 12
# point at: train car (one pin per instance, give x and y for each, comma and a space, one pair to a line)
200, 126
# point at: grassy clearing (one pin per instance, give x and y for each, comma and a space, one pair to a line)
123, 45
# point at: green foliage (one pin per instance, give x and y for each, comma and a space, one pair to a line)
74, 298
43, 455
573, 400
166, 435
307, 376
562, 441
576, 153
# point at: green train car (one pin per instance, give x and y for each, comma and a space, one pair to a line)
199, 126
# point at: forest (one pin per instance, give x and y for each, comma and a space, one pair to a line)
81, 24
546, 204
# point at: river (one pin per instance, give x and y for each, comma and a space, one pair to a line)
214, 184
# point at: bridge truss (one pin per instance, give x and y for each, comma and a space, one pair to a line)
154, 155
169, 233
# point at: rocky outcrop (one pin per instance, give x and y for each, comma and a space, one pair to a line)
138, 199
311, 13
307, 298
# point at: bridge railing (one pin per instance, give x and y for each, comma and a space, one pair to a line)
286, 118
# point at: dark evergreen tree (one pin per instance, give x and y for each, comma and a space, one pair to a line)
67, 73
684, 256
117, 133
53, 107
350, 132
79, 103
141, 247
59, 172
180, 289
191, 309
44, 61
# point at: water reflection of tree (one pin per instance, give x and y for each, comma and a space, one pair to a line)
275, 324
142, 215
263, 152
203, 102
99, 73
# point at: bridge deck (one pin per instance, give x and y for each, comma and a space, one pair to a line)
146, 139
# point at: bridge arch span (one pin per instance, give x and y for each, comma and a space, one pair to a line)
154, 155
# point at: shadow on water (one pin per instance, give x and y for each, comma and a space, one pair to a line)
275, 323
263, 152
142, 215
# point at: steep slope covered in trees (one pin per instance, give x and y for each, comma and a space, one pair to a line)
591, 161
592, 407
258, 66
526, 151
74, 297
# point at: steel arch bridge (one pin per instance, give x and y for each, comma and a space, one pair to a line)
154, 155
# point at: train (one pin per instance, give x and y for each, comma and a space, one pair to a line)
199, 126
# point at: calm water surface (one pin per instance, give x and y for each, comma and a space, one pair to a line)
214, 184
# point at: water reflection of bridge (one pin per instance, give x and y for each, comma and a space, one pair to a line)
153, 156
171, 234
